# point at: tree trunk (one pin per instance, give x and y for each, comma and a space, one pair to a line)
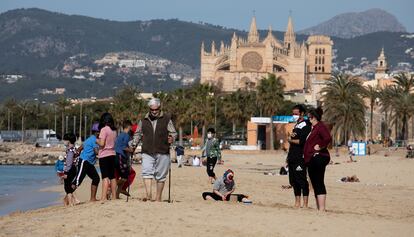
63, 124
371, 118
396, 129
203, 134
404, 129
180, 135
234, 127
22, 128
272, 143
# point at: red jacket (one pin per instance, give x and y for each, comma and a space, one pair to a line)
319, 135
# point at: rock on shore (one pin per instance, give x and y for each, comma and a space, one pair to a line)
27, 154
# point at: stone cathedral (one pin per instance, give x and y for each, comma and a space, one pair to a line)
243, 63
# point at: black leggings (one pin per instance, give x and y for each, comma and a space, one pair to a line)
218, 198
298, 179
70, 176
86, 168
211, 162
316, 169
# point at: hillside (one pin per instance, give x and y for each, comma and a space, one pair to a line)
41, 45
349, 25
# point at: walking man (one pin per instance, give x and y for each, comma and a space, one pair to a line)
295, 160
157, 132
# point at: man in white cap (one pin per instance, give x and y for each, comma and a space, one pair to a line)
157, 132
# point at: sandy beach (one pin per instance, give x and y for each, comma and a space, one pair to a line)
380, 205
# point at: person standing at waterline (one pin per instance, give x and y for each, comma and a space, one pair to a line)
157, 132
106, 154
317, 156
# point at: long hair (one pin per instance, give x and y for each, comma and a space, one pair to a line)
107, 120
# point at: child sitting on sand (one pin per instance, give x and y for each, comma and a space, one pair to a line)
69, 169
223, 188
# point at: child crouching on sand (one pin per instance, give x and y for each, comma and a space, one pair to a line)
223, 189
69, 169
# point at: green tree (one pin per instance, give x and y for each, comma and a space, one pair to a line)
270, 99
371, 93
238, 107
127, 104
399, 100
177, 104
62, 104
202, 105
344, 106
24, 110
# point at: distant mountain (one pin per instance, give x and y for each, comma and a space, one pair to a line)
349, 25
38, 43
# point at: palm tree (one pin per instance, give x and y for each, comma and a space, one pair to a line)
238, 107
372, 94
202, 105
270, 99
11, 106
127, 105
344, 106
404, 104
177, 104
62, 103
24, 109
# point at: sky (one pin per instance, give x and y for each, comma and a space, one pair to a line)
228, 13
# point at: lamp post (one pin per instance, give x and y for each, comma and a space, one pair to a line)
8, 120
66, 124
54, 108
80, 121
84, 128
74, 125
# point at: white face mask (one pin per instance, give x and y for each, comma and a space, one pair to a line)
295, 117
209, 135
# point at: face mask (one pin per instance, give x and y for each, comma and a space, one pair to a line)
295, 117
209, 135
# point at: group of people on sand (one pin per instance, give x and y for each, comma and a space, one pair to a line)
113, 152
308, 154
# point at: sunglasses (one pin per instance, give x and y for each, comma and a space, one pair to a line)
154, 109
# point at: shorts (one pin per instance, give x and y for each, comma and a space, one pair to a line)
155, 166
70, 176
107, 166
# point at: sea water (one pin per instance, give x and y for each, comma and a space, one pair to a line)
20, 188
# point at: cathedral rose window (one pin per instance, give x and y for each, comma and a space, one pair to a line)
252, 61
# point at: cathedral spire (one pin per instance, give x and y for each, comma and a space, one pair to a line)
253, 36
202, 48
234, 41
213, 48
269, 33
290, 34
221, 47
